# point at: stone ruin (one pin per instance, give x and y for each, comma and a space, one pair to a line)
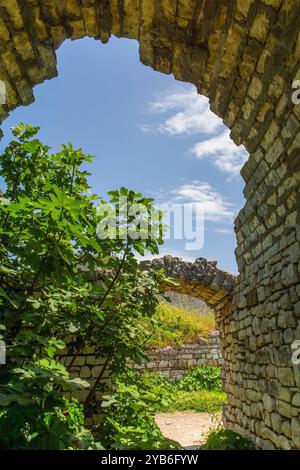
175, 362
200, 279
244, 55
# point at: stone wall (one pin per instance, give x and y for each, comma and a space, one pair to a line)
176, 362
172, 363
244, 55
88, 367
200, 279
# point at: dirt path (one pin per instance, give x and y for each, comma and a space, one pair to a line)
187, 427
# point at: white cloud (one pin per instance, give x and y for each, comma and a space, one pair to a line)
226, 156
201, 194
189, 114
186, 210
224, 231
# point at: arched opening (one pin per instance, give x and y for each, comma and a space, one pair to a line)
159, 125
210, 288
244, 56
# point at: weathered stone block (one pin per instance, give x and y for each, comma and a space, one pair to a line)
85, 372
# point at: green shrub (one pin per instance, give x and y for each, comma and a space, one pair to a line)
224, 439
199, 391
34, 415
129, 413
158, 384
202, 401
53, 234
201, 378
174, 326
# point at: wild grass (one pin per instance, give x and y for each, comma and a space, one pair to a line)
202, 401
174, 326
199, 391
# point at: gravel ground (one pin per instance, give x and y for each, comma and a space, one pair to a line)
187, 427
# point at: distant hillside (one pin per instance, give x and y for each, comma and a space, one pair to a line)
175, 325
188, 302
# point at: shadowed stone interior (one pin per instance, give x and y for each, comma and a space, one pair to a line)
244, 56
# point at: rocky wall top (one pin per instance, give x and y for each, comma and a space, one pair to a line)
201, 278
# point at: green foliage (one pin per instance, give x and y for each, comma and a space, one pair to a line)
49, 254
137, 398
202, 401
185, 394
129, 413
55, 424
34, 415
224, 439
201, 378
199, 391
174, 326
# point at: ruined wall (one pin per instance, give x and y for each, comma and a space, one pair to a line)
87, 366
262, 383
173, 363
200, 279
244, 56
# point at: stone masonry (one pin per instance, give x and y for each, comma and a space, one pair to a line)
200, 279
88, 367
244, 55
175, 362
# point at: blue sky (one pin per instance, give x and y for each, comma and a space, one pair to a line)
147, 131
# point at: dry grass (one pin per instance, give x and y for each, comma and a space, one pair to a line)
175, 325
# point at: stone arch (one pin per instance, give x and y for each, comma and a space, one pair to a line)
200, 279
203, 280
244, 56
